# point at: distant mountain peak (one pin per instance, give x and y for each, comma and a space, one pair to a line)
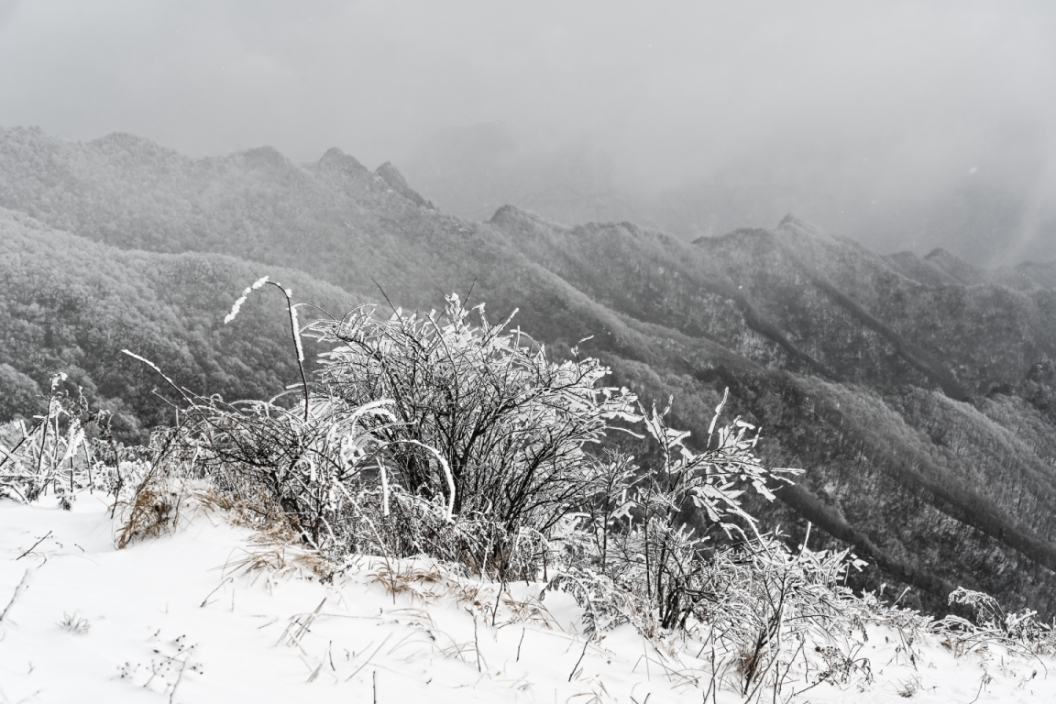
511, 213
130, 144
336, 159
954, 266
265, 157
791, 223
395, 180
124, 138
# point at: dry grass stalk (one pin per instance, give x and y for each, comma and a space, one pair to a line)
153, 512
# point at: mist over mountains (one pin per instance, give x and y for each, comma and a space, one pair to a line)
919, 392
982, 209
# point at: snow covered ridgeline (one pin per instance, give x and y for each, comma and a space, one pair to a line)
216, 613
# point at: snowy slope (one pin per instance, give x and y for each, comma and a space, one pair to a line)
214, 614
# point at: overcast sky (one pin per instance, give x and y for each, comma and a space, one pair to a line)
910, 96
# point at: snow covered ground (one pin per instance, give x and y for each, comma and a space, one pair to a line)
213, 614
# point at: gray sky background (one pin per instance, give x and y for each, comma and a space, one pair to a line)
893, 100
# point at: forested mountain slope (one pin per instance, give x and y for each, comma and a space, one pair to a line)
916, 392
877, 383
70, 305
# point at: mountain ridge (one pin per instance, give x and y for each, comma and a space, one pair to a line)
905, 400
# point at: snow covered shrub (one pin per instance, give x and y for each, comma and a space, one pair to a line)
606, 604
419, 526
321, 480
654, 530
767, 605
275, 466
992, 624
440, 435
294, 470
56, 453
669, 547
483, 418
422, 435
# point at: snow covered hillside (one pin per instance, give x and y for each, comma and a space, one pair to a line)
216, 613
